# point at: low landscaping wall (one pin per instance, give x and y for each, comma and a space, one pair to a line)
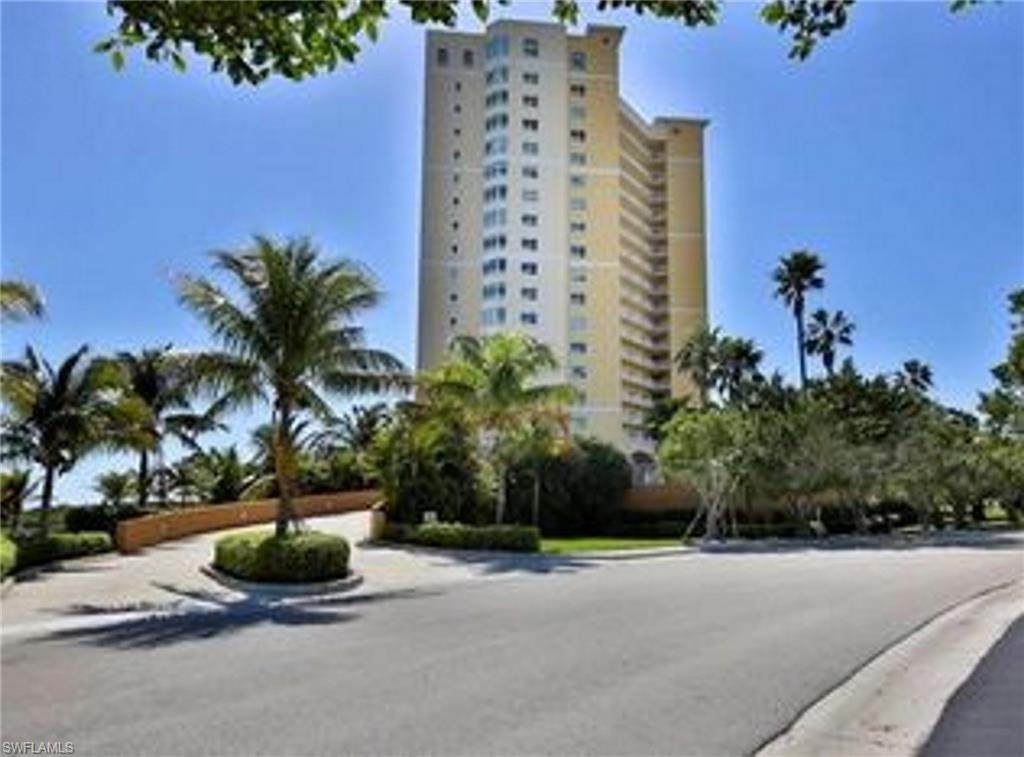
133, 535
660, 499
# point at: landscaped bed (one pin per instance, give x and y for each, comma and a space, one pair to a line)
461, 536
261, 556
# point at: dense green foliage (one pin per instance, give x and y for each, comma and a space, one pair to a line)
101, 517
293, 558
19, 300
581, 488
38, 550
8, 555
251, 41
462, 536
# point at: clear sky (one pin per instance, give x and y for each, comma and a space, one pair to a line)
896, 152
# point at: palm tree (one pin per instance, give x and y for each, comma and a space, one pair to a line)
288, 338
736, 368
798, 273
58, 415
826, 333
19, 300
15, 490
114, 487
164, 381
358, 428
916, 376
496, 378
696, 357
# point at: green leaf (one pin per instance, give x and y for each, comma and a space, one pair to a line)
117, 60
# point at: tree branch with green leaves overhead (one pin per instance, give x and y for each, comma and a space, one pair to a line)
251, 41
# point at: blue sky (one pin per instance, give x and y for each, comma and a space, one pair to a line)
896, 152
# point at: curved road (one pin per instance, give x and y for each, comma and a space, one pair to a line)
693, 654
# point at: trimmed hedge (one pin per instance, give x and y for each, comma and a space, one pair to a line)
460, 536
101, 517
62, 546
8, 555
295, 558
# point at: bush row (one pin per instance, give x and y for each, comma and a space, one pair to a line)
38, 550
101, 517
460, 536
295, 558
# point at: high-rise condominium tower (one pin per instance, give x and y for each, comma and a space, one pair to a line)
551, 207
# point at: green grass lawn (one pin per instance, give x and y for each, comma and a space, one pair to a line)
601, 543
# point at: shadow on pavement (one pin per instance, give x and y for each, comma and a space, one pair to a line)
961, 539
488, 562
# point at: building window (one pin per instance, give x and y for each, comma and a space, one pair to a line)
458, 86
494, 265
578, 323
531, 47
467, 58
577, 89
577, 159
578, 203
531, 77
494, 217
577, 181
577, 113
531, 172
578, 61
578, 275
531, 101
497, 121
528, 318
494, 242
496, 170
530, 195
531, 148
497, 47
497, 75
529, 244
496, 146
494, 99
494, 291
578, 251
531, 124
495, 193
578, 371
528, 269
455, 249
493, 316
578, 348
577, 227
529, 293
577, 298
442, 56
457, 108
528, 219
577, 136
453, 297
456, 154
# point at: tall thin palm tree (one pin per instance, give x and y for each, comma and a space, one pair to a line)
826, 334
19, 300
797, 274
498, 378
165, 382
57, 415
288, 338
697, 358
915, 375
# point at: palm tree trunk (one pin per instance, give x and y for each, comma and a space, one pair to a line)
829, 359
282, 470
536, 498
143, 480
798, 311
499, 510
45, 500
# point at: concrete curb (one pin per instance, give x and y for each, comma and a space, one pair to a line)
890, 706
338, 586
616, 555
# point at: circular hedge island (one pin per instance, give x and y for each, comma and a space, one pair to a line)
296, 558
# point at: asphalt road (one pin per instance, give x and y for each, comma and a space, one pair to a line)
698, 654
985, 718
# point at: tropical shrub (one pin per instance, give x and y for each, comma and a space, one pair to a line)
8, 555
101, 517
462, 536
39, 550
293, 558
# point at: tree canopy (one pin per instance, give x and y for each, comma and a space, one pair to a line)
250, 40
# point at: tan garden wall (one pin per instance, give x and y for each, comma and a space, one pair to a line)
133, 535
